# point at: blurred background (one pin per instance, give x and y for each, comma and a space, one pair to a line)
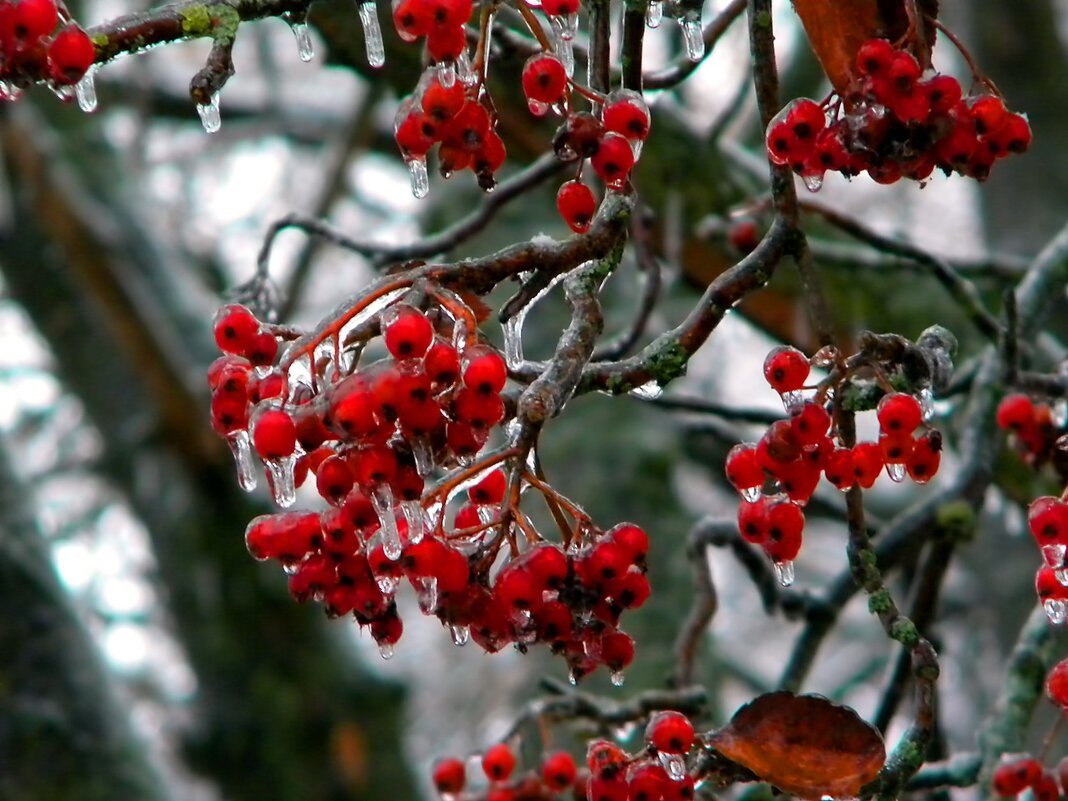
145, 655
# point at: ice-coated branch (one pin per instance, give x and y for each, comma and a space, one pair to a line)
683, 67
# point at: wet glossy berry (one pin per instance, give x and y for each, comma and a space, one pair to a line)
1015, 412
743, 471
899, 414
558, 771
786, 369
626, 113
577, 205
274, 435
70, 55
613, 160
484, 371
498, 762
408, 333
489, 489
670, 732
449, 776
235, 329
544, 79
1015, 774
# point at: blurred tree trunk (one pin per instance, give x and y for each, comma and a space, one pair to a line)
282, 710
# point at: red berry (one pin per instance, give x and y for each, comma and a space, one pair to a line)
576, 205
1014, 774
544, 79
896, 448
409, 130
1016, 412
490, 489
899, 414
806, 119
743, 235
558, 771
874, 57
407, 331
560, 8
70, 55
613, 160
33, 19
781, 142
1047, 517
274, 435
670, 732
262, 350
1057, 684
446, 43
785, 523
617, 650
235, 329
441, 103
786, 369
810, 423
742, 469
839, 468
498, 762
778, 446
926, 456
1046, 788
753, 521
449, 776
412, 18
484, 371
334, 480
441, 364
468, 129
373, 465
626, 113
867, 463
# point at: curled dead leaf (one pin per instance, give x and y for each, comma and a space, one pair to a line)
803, 744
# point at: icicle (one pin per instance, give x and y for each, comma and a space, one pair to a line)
423, 455
674, 765
1061, 575
513, 338
654, 13
896, 472
784, 572
487, 513
210, 117
241, 448
387, 585
636, 147
382, 500
617, 678
385, 650
64, 92
460, 635
1056, 611
85, 91
1053, 555
427, 594
649, 391
570, 25
563, 46
793, 400
372, 34
305, 48
459, 337
464, 69
537, 108
926, 398
750, 494
413, 513
572, 677
813, 183
446, 73
693, 37
418, 176
283, 486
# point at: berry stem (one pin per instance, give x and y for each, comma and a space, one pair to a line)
534, 24
1051, 736
977, 76
554, 508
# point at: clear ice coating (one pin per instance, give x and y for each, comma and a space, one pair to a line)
1053, 555
382, 500
649, 391
305, 48
563, 46
446, 71
617, 678
372, 34
419, 178
750, 494
926, 398
85, 91
385, 650
813, 183
693, 37
465, 70
460, 635
537, 108
1056, 611
1062, 576
423, 455
387, 585
793, 400
1060, 412
283, 485
416, 518
674, 765
784, 572
427, 594
896, 472
210, 117
241, 448
654, 13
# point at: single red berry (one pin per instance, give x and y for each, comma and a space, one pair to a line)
484, 370
806, 119
490, 489
498, 762
468, 128
899, 414
867, 463
648, 782
70, 55
617, 650
896, 448
781, 142
446, 43
410, 131
262, 350
442, 364
1047, 517
1046, 788
1057, 684
33, 19
235, 328
839, 468
743, 235
613, 160
925, 458
407, 331
778, 446
753, 520
334, 480
989, 114
544, 79
874, 57
786, 369
560, 8
577, 205
799, 480
743, 471
626, 113
810, 423
1015, 412
441, 103
274, 435
373, 465
412, 18
670, 732
449, 776
943, 93
558, 771
785, 524
1047, 587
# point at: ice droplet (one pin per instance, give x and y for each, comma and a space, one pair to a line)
305, 48
382, 501
427, 594
896, 472
513, 338
571, 23
537, 108
419, 178
464, 69
674, 765
793, 400
413, 513
649, 391
1062, 576
784, 572
750, 494
446, 73
1056, 611
387, 585
654, 13
423, 455
1053, 555
572, 677
1060, 413
636, 146
210, 117
825, 356
693, 37
283, 486
813, 183
372, 34
926, 398
85, 91
617, 678
460, 635
241, 448
385, 650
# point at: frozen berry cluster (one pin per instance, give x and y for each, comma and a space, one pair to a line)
901, 122
1016, 773
777, 475
659, 772
1032, 426
39, 42
398, 448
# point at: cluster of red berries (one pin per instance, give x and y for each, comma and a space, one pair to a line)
777, 475
898, 123
380, 440
1018, 772
657, 773
1032, 426
38, 43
